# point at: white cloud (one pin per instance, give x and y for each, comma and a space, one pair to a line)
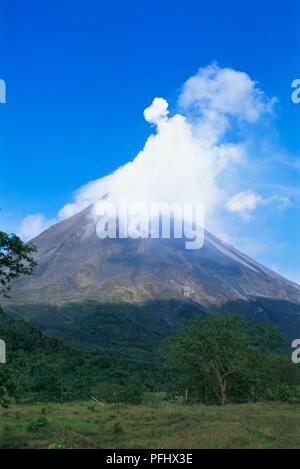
225, 91
157, 111
173, 166
244, 202
220, 95
187, 158
33, 225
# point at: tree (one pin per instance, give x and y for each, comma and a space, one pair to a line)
15, 260
215, 352
8, 385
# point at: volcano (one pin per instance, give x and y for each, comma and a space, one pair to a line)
83, 284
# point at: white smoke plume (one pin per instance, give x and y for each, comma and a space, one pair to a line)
189, 157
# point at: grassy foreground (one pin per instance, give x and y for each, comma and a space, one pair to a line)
161, 425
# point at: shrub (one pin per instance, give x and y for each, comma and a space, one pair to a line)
117, 428
37, 424
130, 394
281, 392
58, 445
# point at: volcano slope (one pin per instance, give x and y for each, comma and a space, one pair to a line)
129, 293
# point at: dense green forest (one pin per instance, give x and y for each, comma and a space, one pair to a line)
43, 368
253, 359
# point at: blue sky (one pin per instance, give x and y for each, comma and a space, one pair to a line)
80, 73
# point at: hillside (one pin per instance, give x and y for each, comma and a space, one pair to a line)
133, 292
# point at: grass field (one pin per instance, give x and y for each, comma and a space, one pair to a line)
156, 425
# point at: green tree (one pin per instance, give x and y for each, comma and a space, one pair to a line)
221, 354
8, 384
15, 260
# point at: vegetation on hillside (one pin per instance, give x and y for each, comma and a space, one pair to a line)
42, 368
212, 360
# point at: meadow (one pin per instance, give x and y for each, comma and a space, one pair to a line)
153, 424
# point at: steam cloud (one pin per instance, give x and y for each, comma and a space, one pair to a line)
189, 157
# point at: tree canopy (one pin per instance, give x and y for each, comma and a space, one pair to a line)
226, 355
15, 259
